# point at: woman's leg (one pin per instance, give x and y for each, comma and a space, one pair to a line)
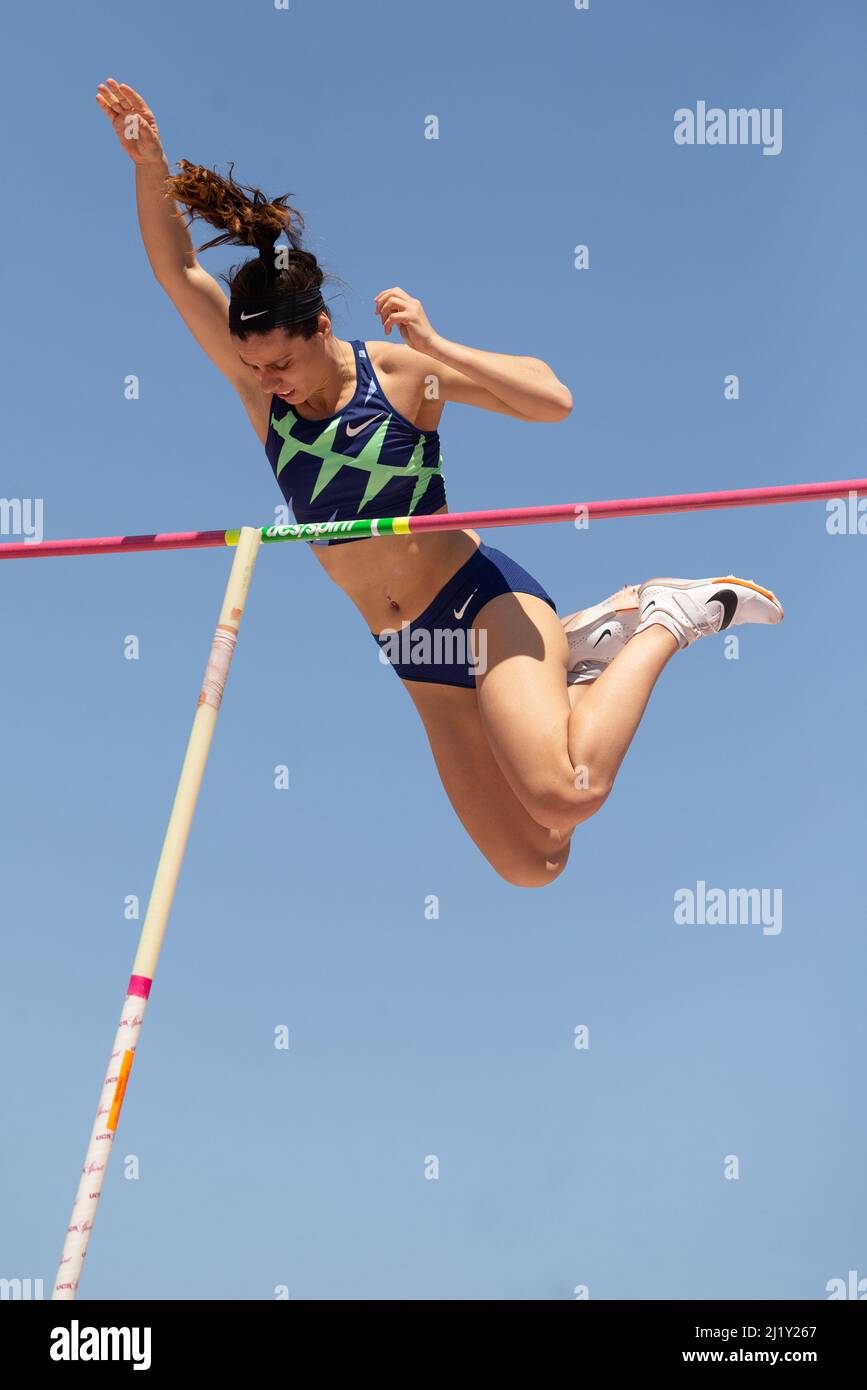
522, 851
558, 751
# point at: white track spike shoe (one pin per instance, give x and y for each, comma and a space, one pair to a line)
595, 635
693, 608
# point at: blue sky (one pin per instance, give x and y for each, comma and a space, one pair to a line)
602, 1167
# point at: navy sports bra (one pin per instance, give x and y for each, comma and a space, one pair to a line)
366, 461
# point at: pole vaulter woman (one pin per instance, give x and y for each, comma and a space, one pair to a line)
350, 430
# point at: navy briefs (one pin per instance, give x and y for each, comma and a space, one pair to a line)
438, 646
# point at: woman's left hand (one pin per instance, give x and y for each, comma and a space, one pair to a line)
398, 307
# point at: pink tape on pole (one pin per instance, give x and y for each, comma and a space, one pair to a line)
217, 669
140, 985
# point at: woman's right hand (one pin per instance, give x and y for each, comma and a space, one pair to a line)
133, 121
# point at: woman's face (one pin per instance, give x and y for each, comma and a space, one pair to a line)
287, 366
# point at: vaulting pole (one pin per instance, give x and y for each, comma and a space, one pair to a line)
168, 871
448, 521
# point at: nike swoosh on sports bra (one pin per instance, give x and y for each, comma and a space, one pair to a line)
366, 461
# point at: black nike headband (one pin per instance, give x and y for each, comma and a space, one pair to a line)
294, 307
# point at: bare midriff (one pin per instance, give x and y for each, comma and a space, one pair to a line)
392, 579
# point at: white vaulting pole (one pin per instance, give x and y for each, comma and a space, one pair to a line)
157, 915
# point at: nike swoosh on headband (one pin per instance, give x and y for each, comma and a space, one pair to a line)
356, 429
258, 314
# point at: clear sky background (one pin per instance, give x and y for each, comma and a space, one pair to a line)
409, 1037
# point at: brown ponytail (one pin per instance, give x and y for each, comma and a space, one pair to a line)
248, 218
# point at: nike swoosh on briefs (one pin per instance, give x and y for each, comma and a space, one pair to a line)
459, 612
356, 429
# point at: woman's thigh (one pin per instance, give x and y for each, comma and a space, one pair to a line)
521, 850
523, 699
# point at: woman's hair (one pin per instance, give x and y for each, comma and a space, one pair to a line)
248, 218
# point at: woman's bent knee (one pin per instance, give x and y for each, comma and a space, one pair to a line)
562, 809
532, 870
